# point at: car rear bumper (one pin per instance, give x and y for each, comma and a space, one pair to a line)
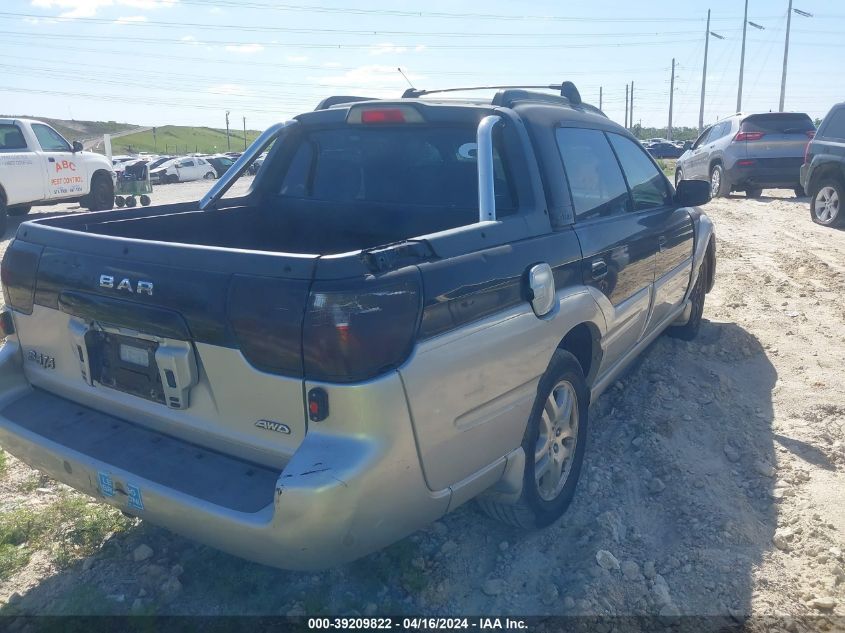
352, 486
755, 175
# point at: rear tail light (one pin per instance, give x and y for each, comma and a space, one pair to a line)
807, 152
18, 272
748, 136
355, 330
746, 162
811, 134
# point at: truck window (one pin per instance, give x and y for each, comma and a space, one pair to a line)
49, 139
11, 138
431, 166
595, 180
649, 188
834, 125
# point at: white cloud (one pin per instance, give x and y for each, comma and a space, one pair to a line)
131, 19
230, 90
387, 48
376, 79
189, 39
297, 58
89, 8
245, 49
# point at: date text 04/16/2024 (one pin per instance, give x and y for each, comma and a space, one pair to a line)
418, 623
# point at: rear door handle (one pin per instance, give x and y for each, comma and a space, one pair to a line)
599, 269
661, 242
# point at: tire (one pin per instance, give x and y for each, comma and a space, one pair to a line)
173, 179
753, 193
719, 185
689, 330
145, 201
19, 210
130, 201
101, 197
826, 201
799, 192
210, 175
679, 176
119, 202
3, 212
543, 500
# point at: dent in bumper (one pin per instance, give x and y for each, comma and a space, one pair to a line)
354, 485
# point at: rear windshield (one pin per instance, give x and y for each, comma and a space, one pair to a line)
415, 165
777, 123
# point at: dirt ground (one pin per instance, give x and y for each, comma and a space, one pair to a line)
714, 483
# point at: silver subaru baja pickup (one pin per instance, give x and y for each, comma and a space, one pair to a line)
412, 307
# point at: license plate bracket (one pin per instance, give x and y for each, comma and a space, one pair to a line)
125, 363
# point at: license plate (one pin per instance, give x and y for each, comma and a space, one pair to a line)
125, 363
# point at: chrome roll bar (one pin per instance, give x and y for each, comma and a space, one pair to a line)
486, 177
239, 166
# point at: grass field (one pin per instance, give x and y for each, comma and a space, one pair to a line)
171, 139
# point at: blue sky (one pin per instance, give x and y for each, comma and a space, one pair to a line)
186, 62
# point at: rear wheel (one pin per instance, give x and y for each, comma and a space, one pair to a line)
210, 175
101, 197
689, 330
130, 201
20, 209
145, 201
119, 202
554, 443
753, 193
719, 185
826, 203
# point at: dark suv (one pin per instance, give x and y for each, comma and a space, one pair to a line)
823, 171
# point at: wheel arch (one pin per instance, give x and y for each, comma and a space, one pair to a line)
583, 341
835, 169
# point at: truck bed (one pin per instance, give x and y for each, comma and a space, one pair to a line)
285, 226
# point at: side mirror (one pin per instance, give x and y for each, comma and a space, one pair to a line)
77, 147
687, 145
692, 193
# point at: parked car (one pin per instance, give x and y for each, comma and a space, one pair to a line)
220, 163
256, 164
39, 166
184, 169
158, 162
823, 171
749, 152
413, 306
664, 150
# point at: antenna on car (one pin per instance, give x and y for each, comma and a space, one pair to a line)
406, 79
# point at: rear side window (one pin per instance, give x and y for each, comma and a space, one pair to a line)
595, 180
416, 165
778, 123
11, 138
834, 125
649, 188
49, 139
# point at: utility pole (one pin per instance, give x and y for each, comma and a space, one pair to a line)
228, 142
786, 50
626, 106
742, 59
600, 96
631, 109
785, 57
671, 99
244, 133
704, 74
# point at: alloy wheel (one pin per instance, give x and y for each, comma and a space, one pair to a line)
555, 449
826, 205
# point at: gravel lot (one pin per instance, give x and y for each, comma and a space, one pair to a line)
714, 482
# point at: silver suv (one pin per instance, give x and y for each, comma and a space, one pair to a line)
749, 152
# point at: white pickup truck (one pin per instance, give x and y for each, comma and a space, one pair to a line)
37, 165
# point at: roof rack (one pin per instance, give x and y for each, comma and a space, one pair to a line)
567, 89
